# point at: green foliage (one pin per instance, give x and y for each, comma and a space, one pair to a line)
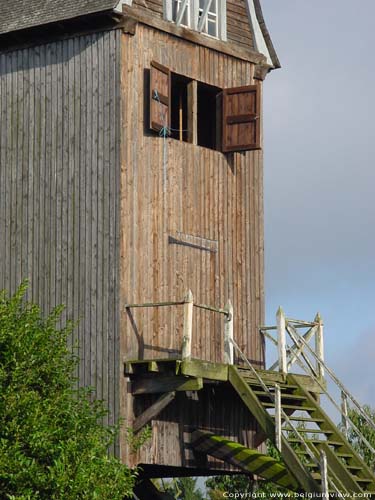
53, 445
218, 485
367, 431
182, 488
137, 440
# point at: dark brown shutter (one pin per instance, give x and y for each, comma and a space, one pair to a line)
241, 118
160, 97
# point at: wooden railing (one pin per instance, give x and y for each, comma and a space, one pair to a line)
287, 356
187, 334
311, 360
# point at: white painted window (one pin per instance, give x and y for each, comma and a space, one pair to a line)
186, 15
210, 22
205, 16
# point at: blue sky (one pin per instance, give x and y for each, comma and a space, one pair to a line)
320, 177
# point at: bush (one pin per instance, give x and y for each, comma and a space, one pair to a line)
52, 441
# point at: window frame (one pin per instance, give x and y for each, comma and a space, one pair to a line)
194, 9
238, 111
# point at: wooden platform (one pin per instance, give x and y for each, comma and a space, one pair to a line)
165, 375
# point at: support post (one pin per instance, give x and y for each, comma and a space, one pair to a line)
344, 413
228, 335
324, 474
192, 97
281, 324
319, 346
188, 325
278, 417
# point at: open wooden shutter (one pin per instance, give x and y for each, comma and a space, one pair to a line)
241, 119
160, 97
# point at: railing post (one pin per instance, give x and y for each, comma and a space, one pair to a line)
228, 334
281, 324
319, 346
344, 413
278, 417
324, 474
188, 325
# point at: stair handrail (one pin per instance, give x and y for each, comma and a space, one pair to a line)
319, 358
294, 333
324, 390
336, 380
285, 416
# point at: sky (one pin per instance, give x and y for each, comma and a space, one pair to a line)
319, 148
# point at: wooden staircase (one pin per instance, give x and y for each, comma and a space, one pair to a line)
306, 432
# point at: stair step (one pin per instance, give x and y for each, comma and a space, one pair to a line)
317, 441
306, 419
344, 455
283, 388
353, 467
362, 480
290, 407
312, 431
312, 465
338, 454
302, 452
283, 396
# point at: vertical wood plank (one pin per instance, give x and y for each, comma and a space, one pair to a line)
59, 190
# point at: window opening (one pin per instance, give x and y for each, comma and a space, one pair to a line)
208, 116
179, 107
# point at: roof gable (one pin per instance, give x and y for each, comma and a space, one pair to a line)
22, 14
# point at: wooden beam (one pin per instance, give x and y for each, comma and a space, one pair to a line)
344, 414
188, 326
153, 410
278, 429
161, 384
205, 369
280, 318
146, 490
228, 335
319, 346
324, 473
192, 121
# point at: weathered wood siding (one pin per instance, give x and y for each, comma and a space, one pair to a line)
173, 190
59, 190
238, 25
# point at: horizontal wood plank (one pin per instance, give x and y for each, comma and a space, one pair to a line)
155, 385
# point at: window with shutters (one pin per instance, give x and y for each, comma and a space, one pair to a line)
205, 16
226, 120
